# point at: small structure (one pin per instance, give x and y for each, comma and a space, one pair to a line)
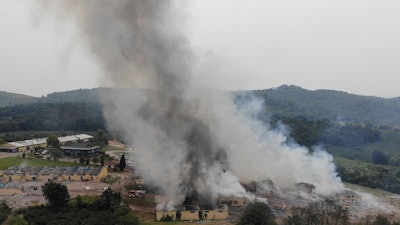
232, 200
306, 187
112, 164
47, 173
347, 198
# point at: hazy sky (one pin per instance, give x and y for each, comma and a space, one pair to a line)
347, 45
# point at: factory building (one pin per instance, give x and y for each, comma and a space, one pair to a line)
232, 200
77, 150
54, 173
27, 145
194, 213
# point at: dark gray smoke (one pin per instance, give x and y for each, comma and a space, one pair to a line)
191, 142
140, 44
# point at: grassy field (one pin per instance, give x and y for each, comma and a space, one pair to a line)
85, 199
140, 201
365, 166
373, 191
16, 161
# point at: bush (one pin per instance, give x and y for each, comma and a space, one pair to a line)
257, 213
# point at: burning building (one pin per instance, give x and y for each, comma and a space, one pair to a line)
204, 140
194, 212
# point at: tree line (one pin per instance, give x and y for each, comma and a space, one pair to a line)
317, 213
52, 117
307, 132
107, 209
60, 210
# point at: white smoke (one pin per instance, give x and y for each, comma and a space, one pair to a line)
190, 142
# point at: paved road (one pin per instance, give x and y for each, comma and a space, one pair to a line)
9, 154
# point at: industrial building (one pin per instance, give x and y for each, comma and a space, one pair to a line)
26, 145
77, 150
54, 173
194, 212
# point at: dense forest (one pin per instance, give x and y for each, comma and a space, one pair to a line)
52, 117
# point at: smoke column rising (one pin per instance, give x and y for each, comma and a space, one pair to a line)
191, 142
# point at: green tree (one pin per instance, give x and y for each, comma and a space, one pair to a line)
257, 213
378, 157
109, 200
55, 148
319, 213
122, 163
82, 160
4, 211
56, 194
79, 202
102, 139
102, 160
95, 160
381, 220
55, 153
18, 220
52, 141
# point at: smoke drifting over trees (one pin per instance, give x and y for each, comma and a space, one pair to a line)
191, 142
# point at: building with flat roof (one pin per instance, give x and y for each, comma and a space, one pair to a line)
78, 150
27, 145
193, 213
56, 173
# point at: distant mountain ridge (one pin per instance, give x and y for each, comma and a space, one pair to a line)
10, 99
79, 95
284, 101
294, 101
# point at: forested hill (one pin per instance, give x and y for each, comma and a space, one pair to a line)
80, 95
10, 99
283, 102
293, 101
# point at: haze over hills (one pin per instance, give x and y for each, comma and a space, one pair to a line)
10, 99
284, 101
291, 101
353, 128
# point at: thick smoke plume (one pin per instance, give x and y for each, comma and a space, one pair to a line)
190, 142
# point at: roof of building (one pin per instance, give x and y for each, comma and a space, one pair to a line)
7, 146
114, 162
80, 146
52, 170
40, 141
74, 138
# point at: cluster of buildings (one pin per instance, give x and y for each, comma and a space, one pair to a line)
54, 173
32, 144
72, 146
196, 212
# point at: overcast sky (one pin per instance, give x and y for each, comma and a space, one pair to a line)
346, 45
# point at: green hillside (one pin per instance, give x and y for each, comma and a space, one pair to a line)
357, 130
293, 101
10, 99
